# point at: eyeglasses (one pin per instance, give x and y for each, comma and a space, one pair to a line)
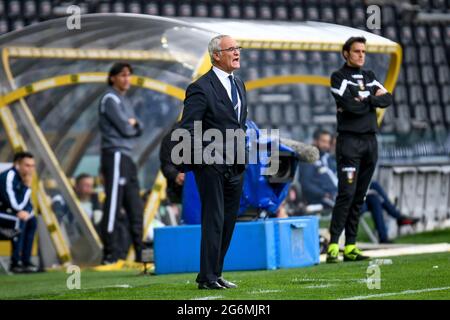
231, 49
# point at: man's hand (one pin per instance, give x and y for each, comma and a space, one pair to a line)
179, 180
132, 122
380, 92
27, 179
23, 215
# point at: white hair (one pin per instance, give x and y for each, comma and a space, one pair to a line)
214, 46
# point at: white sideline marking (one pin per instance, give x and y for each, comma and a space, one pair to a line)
318, 286
417, 249
264, 291
208, 298
395, 293
319, 280
119, 286
402, 251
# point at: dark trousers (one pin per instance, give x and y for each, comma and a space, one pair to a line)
122, 191
23, 243
356, 157
376, 202
220, 195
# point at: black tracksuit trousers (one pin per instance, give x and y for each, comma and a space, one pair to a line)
122, 191
356, 156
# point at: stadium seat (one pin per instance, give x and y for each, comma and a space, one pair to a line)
415, 95
118, 7
13, 8
436, 115
298, 133
359, 17
443, 75
184, 9
440, 56
420, 35
168, 9
403, 125
290, 114
391, 33
428, 76
425, 55
103, 7
298, 14
420, 113
260, 115
18, 24
151, 8
445, 94
446, 33
281, 12
29, 9
342, 15
285, 57
400, 94
320, 95
435, 35
218, 10
388, 123
432, 95
447, 114
312, 13
327, 15
134, 7
410, 54
406, 35
412, 75
3, 26
249, 11
234, 11
45, 9
265, 11
305, 114
388, 16
276, 115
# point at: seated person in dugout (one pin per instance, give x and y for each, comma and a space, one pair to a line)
16, 210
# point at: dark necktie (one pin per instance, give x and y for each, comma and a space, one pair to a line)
234, 95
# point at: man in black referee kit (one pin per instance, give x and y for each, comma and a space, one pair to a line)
357, 93
119, 129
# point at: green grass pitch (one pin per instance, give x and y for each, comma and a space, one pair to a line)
425, 276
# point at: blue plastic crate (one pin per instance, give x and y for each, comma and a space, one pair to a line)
177, 249
297, 242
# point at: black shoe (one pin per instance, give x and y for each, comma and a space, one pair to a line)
108, 262
30, 268
16, 268
214, 285
226, 284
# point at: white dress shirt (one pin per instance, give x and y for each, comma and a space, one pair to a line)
223, 77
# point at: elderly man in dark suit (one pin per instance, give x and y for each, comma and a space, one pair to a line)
217, 102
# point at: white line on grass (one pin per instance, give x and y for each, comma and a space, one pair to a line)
264, 291
318, 286
208, 298
119, 286
395, 293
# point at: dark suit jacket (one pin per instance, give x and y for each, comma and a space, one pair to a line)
207, 101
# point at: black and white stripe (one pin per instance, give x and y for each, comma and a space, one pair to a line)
114, 192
